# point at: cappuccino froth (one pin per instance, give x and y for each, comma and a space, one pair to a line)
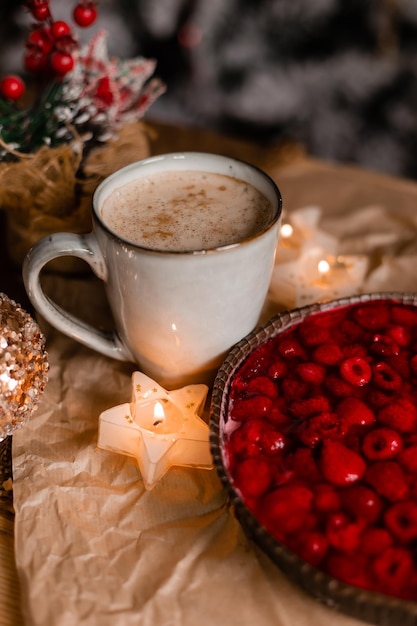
186, 210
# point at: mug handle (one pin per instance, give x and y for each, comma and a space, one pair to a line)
84, 247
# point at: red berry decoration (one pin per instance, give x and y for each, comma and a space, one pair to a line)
60, 29
323, 442
85, 14
62, 62
41, 11
12, 87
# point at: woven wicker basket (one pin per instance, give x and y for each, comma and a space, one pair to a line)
51, 190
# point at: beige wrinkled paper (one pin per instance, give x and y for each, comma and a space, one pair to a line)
93, 547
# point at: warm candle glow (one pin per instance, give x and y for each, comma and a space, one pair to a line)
160, 428
286, 231
323, 266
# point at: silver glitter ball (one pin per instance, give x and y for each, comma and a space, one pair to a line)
23, 366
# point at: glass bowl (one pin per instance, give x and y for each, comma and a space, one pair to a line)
370, 606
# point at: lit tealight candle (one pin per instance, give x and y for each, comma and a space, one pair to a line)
159, 428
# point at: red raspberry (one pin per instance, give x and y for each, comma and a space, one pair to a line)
294, 389
290, 348
278, 369
356, 371
400, 364
353, 411
273, 442
338, 387
320, 427
372, 316
351, 571
382, 443
392, 569
311, 373
378, 398
413, 364
309, 407
353, 350
405, 315
328, 354
311, 546
408, 459
251, 408
285, 509
278, 417
262, 385
340, 465
384, 345
361, 502
326, 498
401, 520
388, 479
253, 476
304, 465
342, 533
384, 377
311, 333
374, 540
350, 331
400, 414
400, 334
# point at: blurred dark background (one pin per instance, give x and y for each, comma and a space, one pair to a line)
337, 76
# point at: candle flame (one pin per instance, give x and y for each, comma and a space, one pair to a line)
323, 266
158, 414
286, 231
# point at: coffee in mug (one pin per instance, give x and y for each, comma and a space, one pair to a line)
185, 244
186, 211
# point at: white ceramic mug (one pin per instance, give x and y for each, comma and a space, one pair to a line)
176, 313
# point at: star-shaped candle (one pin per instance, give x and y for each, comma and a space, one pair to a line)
159, 428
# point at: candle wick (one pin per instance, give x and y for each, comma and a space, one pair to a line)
157, 422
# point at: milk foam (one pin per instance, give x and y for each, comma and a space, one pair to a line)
186, 210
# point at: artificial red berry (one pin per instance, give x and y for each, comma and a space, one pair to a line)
400, 414
62, 62
356, 371
85, 14
60, 29
12, 87
361, 502
35, 61
40, 41
401, 520
41, 11
388, 479
382, 443
340, 465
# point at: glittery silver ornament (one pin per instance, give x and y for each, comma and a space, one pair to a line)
23, 366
